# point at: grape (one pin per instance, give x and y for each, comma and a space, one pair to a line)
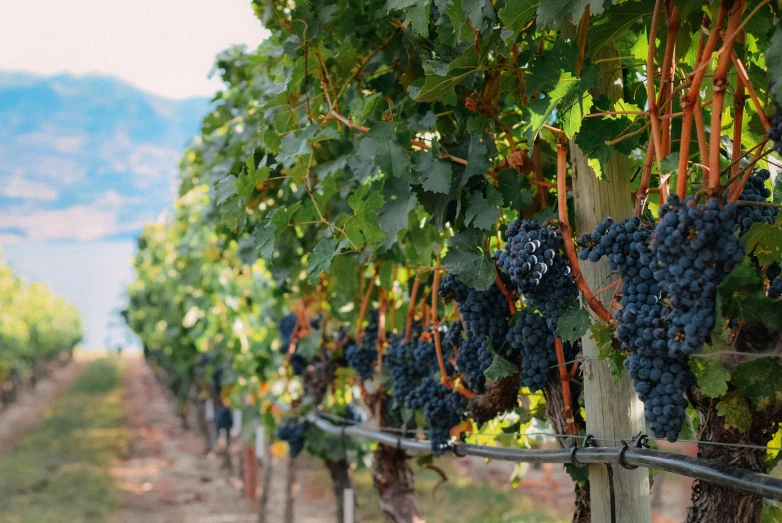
453, 336
531, 337
293, 432
286, 326
775, 133
775, 288
404, 369
224, 420
362, 358
694, 248
533, 260
755, 191
452, 288
443, 409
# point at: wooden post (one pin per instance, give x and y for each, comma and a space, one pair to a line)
289, 485
250, 472
611, 413
267, 479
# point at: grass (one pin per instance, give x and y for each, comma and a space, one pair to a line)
461, 499
60, 472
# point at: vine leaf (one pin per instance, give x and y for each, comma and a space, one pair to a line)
381, 145
500, 368
399, 201
467, 259
440, 88
515, 189
362, 228
773, 58
771, 513
735, 410
760, 381
514, 17
252, 176
742, 295
712, 377
224, 189
765, 241
614, 23
558, 12
320, 259
268, 231
477, 158
435, 174
603, 336
573, 321
484, 211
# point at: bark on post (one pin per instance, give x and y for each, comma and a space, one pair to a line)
394, 483
611, 413
267, 480
340, 481
289, 484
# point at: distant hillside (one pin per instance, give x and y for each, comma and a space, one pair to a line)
85, 158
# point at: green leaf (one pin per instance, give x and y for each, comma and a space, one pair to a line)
603, 336
772, 512
252, 177
224, 189
559, 12
360, 108
774, 64
515, 189
614, 23
578, 474
320, 259
760, 381
765, 241
268, 231
484, 212
309, 345
435, 173
418, 15
362, 228
381, 145
440, 88
736, 411
572, 116
742, 295
399, 201
573, 321
467, 259
515, 15
500, 368
477, 158
711, 376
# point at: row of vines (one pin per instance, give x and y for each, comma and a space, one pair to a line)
37, 328
461, 218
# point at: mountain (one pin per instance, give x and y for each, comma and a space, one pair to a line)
88, 157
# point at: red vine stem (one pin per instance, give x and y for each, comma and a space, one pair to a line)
505, 292
392, 307
411, 308
435, 327
567, 236
381, 332
365, 303
541, 195
739, 188
739, 100
668, 69
688, 102
751, 90
564, 377
646, 176
583, 27
650, 72
719, 84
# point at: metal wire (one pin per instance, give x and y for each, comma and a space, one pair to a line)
699, 468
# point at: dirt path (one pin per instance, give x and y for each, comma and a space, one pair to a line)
18, 418
167, 478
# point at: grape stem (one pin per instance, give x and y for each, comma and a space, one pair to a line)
668, 71
564, 377
365, 303
381, 331
744, 77
719, 85
435, 327
650, 72
411, 308
505, 292
567, 236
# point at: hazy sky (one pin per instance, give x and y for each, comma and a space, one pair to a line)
163, 46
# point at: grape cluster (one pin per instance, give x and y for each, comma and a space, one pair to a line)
224, 421
453, 338
531, 337
425, 354
405, 371
362, 357
775, 133
286, 327
755, 191
485, 315
694, 249
533, 260
293, 431
775, 289
443, 409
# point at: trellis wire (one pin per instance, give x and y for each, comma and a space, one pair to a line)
699, 468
